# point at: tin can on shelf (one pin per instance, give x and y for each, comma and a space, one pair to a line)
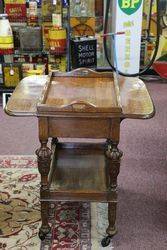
41, 67
26, 67
16, 10
46, 26
58, 41
34, 72
6, 36
11, 80
60, 63
84, 52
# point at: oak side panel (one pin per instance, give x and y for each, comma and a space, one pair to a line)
43, 128
79, 128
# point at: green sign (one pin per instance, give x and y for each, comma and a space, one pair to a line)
129, 7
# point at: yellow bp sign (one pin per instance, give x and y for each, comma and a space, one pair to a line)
129, 7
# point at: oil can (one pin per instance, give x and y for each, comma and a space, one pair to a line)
84, 52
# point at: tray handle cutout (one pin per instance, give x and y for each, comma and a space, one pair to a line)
79, 106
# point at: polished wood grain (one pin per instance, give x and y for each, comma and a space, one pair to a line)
135, 99
78, 171
26, 95
90, 92
87, 166
79, 127
82, 94
132, 95
83, 72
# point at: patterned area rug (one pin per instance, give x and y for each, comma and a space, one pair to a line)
75, 226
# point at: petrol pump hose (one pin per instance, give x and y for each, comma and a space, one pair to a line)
156, 46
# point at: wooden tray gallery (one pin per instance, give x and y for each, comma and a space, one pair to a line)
79, 91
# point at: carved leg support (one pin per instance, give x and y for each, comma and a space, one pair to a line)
113, 155
44, 159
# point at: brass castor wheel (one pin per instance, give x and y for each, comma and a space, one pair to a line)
106, 241
42, 235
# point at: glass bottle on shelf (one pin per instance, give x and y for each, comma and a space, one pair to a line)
84, 8
58, 6
76, 8
33, 13
57, 14
50, 7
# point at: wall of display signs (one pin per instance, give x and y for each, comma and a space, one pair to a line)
47, 34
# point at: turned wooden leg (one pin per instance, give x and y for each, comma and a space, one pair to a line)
113, 155
111, 230
112, 208
45, 227
44, 159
